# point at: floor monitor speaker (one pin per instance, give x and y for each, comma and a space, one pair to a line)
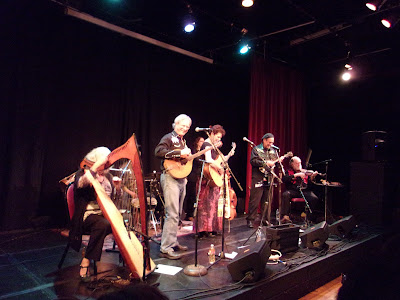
315, 236
249, 263
343, 227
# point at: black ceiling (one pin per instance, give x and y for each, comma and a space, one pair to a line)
299, 32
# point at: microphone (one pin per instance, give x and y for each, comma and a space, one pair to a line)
198, 129
275, 147
247, 140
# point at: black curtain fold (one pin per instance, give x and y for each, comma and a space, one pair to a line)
70, 86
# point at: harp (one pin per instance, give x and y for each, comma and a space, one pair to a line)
135, 254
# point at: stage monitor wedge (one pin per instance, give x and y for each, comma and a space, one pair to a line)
343, 227
315, 236
249, 264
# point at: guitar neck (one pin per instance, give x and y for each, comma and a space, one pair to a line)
193, 156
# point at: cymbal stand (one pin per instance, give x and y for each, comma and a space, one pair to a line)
196, 269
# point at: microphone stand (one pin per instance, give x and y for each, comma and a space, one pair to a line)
308, 208
268, 202
196, 270
281, 174
326, 162
226, 169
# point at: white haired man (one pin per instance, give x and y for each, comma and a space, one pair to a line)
173, 146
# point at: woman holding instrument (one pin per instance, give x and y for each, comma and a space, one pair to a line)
209, 217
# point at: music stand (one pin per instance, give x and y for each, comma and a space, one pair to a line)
196, 269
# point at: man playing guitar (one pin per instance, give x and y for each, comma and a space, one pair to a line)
262, 156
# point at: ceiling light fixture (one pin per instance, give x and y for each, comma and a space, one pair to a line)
375, 4
390, 21
189, 23
247, 3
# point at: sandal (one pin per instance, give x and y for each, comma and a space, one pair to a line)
86, 276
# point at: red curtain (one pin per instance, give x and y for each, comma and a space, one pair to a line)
277, 105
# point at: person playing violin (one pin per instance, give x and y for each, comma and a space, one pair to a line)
297, 178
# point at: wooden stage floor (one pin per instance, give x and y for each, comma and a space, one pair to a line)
28, 267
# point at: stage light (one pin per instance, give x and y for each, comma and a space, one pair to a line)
346, 76
247, 3
189, 27
348, 66
375, 5
244, 48
371, 6
386, 22
189, 22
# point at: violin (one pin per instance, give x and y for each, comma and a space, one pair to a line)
310, 172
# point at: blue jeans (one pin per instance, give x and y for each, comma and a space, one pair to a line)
174, 194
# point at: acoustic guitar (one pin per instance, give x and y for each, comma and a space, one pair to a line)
216, 175
181, 168
287, 155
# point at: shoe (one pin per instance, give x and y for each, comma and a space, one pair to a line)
170, 255
250, 224
211, 234
85, 277
285, 220
181, 248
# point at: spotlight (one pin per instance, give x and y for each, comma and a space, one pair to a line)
244, 49
371, 6
346, 76
386, 22
189, 27
189, 23
375, 4
348, 66
247, 3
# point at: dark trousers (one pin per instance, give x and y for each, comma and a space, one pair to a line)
257, 194
311, 198
98, 227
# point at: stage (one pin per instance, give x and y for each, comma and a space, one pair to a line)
29, 262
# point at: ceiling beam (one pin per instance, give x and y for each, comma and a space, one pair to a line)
77, 14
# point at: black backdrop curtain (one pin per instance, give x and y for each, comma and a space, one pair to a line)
70, 86
277, 105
